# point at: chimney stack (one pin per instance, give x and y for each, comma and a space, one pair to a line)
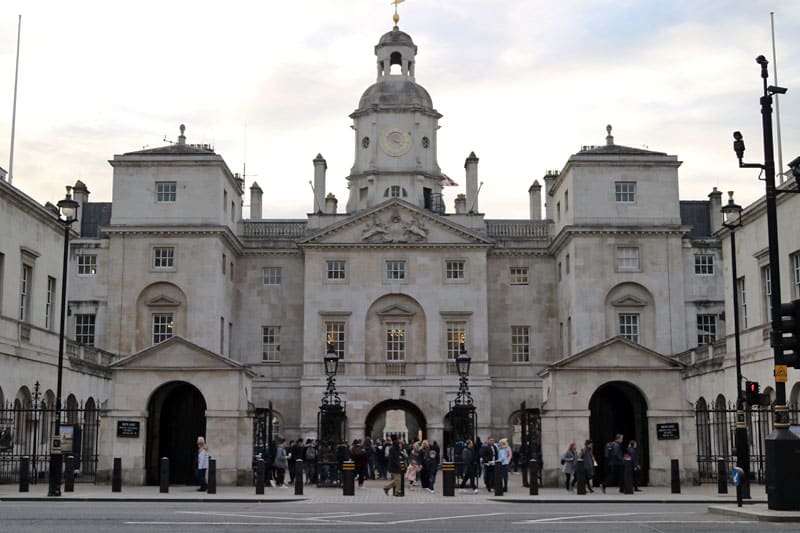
331, 204
715, 210
549, 180
81, 195
255, 201
461, 204
320, 166
535, 194
471, 166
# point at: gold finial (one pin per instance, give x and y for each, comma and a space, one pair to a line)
396, 17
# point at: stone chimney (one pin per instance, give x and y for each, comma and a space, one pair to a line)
331, 204
535, 194
81, 195
255, 201
461, 204
320, 166
549, 180
471, 166
715, 210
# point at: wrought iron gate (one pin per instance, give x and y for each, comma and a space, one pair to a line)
531, 445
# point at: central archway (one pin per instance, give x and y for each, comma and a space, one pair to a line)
619, 407
176, 416
396, 418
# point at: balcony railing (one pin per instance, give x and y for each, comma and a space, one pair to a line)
518, 229
269, 229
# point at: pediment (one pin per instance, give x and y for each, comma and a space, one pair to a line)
178, 353
395, 311
394, 223
629, 301
162, 301
617, 353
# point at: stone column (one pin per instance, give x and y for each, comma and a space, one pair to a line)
320, 166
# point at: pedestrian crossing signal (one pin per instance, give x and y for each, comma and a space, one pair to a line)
752, 392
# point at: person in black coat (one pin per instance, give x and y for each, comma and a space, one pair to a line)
395, 456
469, 459
488, 455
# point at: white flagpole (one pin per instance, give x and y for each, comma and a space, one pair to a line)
777, 99
14, 111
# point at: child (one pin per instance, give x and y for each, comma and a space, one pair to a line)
411, 473
431, 466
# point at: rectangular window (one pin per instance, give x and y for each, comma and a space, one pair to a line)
166, 192
629, 326
395, 341
224, 263
162, 327
163, 257
233, 211
336, 270
51, 298
706, 329
566, 264
224, 201
558, 211
796, 274
625, 192
455, 270
87, 265
334, 337
84, 329
767, 291
566, 201
395, 270
628, 259
559, 271
704, 264
271, 344
456, 338
520, 344
25, 292
222, 335
272, 275
519, 275
742, 302
230, 272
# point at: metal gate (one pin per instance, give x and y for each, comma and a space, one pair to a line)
531, 445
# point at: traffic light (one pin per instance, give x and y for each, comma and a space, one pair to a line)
752, 392
789, 330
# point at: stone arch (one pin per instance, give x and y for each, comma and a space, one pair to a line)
631, 298
720, 424
703, 438
48, 414
71, 410
89, 437
24, 397
377, 425
392, 314
23, 403
794, 395
159, 298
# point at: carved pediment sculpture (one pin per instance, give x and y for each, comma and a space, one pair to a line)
392, 228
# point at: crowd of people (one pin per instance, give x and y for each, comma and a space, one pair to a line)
615, 458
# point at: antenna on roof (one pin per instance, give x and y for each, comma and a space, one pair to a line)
14, 112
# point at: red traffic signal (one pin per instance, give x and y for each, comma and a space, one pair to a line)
752, 392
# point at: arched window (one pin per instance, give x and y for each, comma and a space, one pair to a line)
704, 458
71, 410
721, 429
395, 191
89, 437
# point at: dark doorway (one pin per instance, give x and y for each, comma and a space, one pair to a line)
176, 416
399, 418
619, 407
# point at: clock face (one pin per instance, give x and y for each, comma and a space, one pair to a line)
395, 142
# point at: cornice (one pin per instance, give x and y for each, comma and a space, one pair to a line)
569, 232
178, 231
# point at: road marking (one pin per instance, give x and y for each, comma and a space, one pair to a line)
643, 522
277, 516
561, 518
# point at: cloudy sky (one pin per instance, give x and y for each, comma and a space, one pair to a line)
522, 83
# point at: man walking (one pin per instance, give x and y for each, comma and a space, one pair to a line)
394, 468
469, 462
488, 456
614, 463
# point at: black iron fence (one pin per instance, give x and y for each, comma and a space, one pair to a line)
716, 438
27, 431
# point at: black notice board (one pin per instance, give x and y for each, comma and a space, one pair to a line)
669, 431
128, 429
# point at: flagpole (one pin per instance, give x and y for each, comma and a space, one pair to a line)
14, 111
777, 99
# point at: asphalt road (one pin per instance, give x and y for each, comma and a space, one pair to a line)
65, 517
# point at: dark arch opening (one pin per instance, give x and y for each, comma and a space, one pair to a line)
619, 407
414, 419
176, 416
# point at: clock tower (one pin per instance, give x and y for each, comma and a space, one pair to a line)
395, 134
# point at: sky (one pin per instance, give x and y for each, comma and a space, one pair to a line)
524, 84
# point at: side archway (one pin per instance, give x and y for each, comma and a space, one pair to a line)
399, 418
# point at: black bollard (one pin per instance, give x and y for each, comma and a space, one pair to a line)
448, 479
260, 467
24, 474
533, 477
348, 478
212, 476
402, 478
69, 474
580, 477
497, 477
116, 475
722, 477
298, 477
164, 475
627, 477
676, 477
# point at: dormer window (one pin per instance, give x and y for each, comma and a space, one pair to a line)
395, 191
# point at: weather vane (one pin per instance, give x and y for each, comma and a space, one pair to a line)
396, 17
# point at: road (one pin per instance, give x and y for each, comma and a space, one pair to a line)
66, 517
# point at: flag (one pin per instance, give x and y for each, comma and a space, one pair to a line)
447, 182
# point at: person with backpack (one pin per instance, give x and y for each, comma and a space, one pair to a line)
614, 463
310, 461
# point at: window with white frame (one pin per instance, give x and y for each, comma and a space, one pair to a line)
629, 326
395, 341
87, 265
704, 264
740, 284
628, 259
334, 337
164, 257
336, 270
395, 269
271, 275
395, 191
766, 285
455, 337
84, 329
25, 292
51, 298
625, 192
520, 344
796, 274
166, 191
455, 269
271, 344
163, 326
519, 275
706, 329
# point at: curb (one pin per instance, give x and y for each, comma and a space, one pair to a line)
607, 501
760, 514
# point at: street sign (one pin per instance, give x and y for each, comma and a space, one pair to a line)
669, 431
128, 429
781, 373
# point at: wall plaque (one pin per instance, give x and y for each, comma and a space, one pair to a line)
669, 431
128, 429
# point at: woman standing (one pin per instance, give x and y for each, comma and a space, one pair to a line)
568, 462
281, 463
504, 458
202, 464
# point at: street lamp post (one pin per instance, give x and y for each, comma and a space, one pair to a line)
732, 219
463, 360
782, 446
69, 212
331, 419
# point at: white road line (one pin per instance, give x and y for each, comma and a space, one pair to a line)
574, 517
642, 522
303, 517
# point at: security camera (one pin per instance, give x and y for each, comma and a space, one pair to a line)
772, 89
